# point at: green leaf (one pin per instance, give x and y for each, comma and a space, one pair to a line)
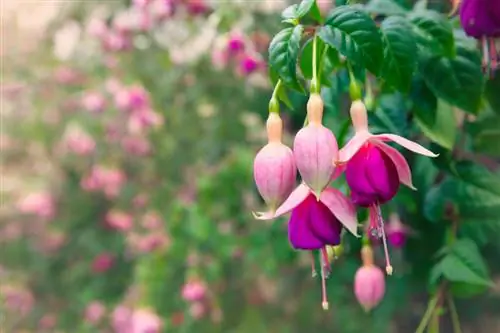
282, 96
491, 91
354, 34
458, 80
385, 7
473, 190
438, 124
283, 55
434, 32
400, 52
462, 264
485, 135
297, 11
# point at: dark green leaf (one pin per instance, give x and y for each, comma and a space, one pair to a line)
486, 135
283, 55
400, 52
434, 32
438, 124
492, 93
298, 11
458, 80
354, 34
385, 7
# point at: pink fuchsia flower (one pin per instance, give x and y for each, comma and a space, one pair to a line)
314, 148
197, 310
142, 120
17, 299
94, 312
480, 18
116, 41
48, 322
121, 319
250, 63
236, 43
194, 290
197, 7
132, 98
40, 204
145, 321
119, 220
369, 282
103, 262
397, 232
136, 145
79, 142
93, 102
374, 169
108, 180
316, 222
274, 167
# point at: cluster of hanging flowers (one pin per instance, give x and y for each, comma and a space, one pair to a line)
319, 213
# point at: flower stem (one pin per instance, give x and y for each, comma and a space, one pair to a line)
455, 320
428, 314
274, 104
315, 84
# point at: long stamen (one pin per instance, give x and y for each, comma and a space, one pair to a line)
486, 55
324, 302
493, 55
313, 266
388, 267
325, 261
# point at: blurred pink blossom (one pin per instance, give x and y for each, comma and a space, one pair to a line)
116, 41
94, 312
136, 145
52, 241
197, 7
197, 310
236, 43
145, 321
103, 262
17, 299
110, 181
97, 28
325, 6
194, 290
119, 220
220, 58
249, 63
132, 98
11, 231
141, 3
162, 9
151, 221
48, 322
68, 76
113, 85
79, 142
40, 204
93, 102
121, 319
141, 120
140, 200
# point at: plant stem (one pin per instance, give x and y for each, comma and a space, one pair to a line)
315, 84
428, 314
455, 320
276, 89
274, 103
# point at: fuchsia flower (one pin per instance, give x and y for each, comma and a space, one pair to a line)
236, 43
119, 220
249, 63
40, 204
103, 262
136, 145
79, 142
315, 147
369, 282
93, 102
317, 217
397, 232
194, 290
145, 321
374, 169
274, 168
94, 312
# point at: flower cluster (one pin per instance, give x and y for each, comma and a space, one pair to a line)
319, 213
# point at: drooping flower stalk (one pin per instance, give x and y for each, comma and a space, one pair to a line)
374, 170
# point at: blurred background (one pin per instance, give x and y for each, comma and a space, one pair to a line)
128, 136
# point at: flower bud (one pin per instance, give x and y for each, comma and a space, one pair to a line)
314, 148
397, 232
369, 281
274, 166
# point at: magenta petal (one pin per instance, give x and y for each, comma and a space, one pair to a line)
342, 208
363, 200
352, 147
356, 173
408, 144
399, 161
300, 234
323, 223
382, 174
296, 198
